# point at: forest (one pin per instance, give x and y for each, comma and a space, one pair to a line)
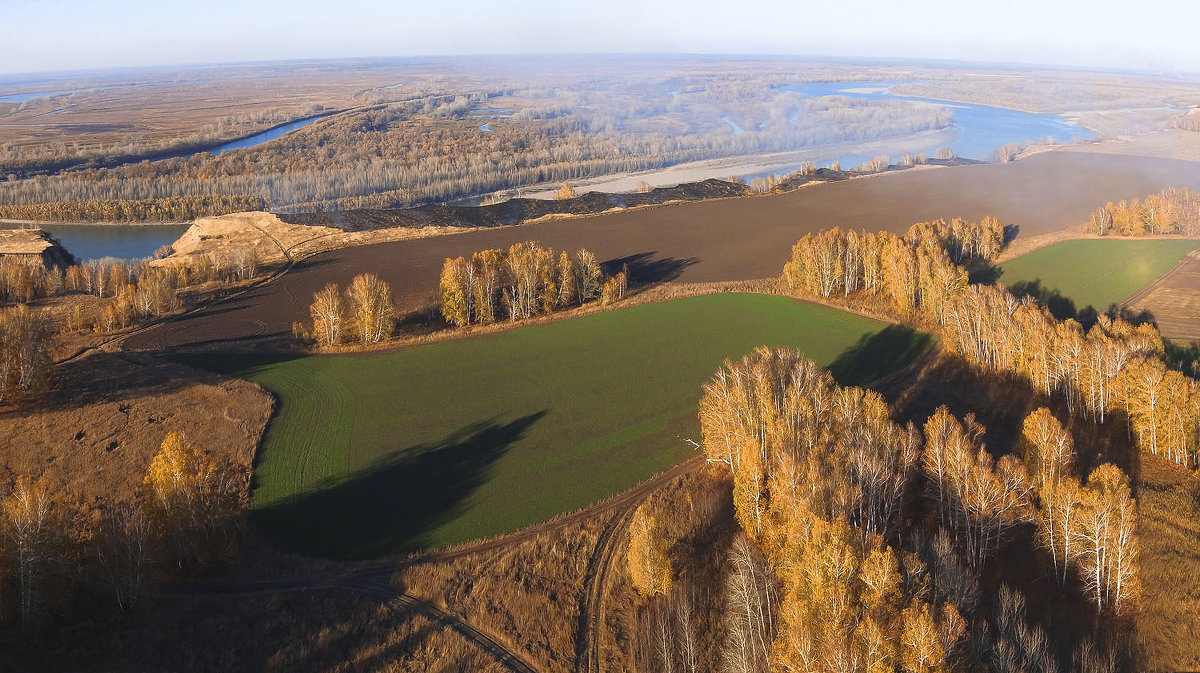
430, 148
866, 544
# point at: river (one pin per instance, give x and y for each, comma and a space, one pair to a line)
122, 241
265, 136
981, 129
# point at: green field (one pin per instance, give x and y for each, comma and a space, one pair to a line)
434, 445
1070, 276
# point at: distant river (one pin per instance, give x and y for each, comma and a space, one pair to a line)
265, 136
122, 241
980, 129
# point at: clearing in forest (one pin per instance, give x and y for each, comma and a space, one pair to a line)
1070, 276
439, 444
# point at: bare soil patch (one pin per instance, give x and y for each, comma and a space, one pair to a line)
1174, 301
707, 241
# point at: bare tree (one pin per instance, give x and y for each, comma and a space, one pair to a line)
123, 551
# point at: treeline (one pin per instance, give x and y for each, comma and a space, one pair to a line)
915, 271
1189, 121
167, 209
1172, 211
187, 517
526, 280
878, 535
365, 314
843, 262
1112, 367
134, 292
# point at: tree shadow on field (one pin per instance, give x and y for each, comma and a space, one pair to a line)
879, 353
392, 505
1060, 307
646, 269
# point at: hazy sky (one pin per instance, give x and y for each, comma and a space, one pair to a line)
44, 35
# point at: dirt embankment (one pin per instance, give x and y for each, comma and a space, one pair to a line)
264, 233
523, 210
514, 211
35, 247
708, 241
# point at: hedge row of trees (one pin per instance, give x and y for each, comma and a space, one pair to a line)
1172, 211
186, 517
136, 291
364, 314
164, 209
917, 279
1114, 366
914, 270
526, 280
823, 486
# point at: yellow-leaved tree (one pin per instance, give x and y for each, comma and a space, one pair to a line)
328, 315
649, 565
36, 543
371, 306
196, 502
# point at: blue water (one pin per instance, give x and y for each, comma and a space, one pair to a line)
265, 136
122, 241
980, 129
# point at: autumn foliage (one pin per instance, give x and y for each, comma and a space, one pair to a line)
1170, 211
820, 475
526, 280
649, 565
1112, 367
365, 312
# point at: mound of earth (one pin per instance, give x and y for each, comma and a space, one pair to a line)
514, 211
35, 247
272, 239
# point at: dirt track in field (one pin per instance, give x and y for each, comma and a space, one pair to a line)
720, 240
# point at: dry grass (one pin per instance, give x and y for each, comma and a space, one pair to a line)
1169, 529
318, 630
1173, 301
94, 434
528, 597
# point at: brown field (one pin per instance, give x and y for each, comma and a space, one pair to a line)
1174, 301
94, 434
1168, 527
152, 108
720, 240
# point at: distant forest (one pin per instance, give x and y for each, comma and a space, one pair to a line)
428, 146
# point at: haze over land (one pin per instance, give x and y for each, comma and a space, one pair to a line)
625, 337
74, 34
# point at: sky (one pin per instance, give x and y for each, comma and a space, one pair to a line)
49, 35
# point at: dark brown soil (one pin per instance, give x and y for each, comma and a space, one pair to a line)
715, 240
517, 211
